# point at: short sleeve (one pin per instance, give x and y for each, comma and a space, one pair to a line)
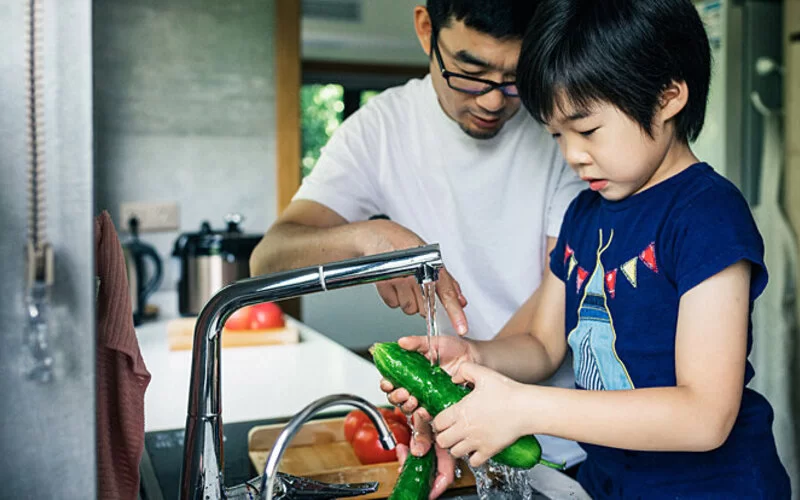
712, 232
566, 188
344, 178
560, 254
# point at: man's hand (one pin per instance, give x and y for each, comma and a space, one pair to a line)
405, 293
453, 352
421, 442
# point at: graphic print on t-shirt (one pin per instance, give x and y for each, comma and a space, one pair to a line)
596, 363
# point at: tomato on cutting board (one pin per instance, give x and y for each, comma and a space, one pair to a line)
257, 317
393, 415
352, 422
367, 445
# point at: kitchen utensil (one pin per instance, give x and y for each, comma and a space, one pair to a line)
211, 259
180, 333
143, 280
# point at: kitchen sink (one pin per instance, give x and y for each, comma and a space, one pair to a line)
163, 457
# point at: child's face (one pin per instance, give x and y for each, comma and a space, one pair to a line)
609, 150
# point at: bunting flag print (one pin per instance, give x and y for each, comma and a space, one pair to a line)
568, 252
582, 275
648, 257
611, 282
629, 270
572, 263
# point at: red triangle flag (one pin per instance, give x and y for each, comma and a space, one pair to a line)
582, 275
611, 282
648, 257
567, 253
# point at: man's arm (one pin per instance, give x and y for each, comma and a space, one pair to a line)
309, 233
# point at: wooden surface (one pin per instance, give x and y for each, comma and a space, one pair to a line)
319, 451
180, 333
287, 95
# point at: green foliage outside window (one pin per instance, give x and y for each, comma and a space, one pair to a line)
321, 107
367, 95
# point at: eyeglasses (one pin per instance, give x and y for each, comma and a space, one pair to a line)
470, 84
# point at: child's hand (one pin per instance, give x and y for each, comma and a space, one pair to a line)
485, 421
453, 351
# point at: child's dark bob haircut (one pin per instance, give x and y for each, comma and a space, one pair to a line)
624, 52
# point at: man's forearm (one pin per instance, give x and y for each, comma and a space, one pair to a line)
290, 246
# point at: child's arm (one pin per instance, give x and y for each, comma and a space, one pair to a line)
695, 415
535, 353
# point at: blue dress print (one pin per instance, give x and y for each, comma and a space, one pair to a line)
597, 365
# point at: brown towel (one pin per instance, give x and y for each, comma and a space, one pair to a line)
121, 374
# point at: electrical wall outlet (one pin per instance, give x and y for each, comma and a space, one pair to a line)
153, 216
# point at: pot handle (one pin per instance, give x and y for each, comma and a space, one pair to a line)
155, 281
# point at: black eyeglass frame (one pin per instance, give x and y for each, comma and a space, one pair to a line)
446, 74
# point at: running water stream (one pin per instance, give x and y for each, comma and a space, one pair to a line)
429, 297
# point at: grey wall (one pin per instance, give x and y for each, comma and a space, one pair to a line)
47, 430
185, 110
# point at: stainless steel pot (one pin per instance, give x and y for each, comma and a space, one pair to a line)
209, 260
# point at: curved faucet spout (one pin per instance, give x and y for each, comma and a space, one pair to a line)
276, 453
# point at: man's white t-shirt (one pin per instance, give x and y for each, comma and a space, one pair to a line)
489, 203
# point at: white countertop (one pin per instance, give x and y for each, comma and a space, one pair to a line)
257, 382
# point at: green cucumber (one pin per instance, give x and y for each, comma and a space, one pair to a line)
435, 391
416, 478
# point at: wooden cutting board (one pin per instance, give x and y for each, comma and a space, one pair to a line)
180, 334
320, 451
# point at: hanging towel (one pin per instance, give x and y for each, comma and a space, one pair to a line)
122, 377
774, 320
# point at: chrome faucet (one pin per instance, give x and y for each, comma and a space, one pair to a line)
202, 475
288, 432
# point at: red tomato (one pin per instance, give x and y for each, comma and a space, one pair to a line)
393, 416
367, 445
266, 315
239, 320
400, 415
352, 422
257, 317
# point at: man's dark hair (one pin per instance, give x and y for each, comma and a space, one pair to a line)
624, 52
499, 18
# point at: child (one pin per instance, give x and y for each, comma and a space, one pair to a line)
652, 280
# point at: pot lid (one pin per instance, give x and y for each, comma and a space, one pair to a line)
208, 241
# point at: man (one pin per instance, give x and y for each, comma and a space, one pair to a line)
450, 159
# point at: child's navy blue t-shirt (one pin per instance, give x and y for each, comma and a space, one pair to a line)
626, 265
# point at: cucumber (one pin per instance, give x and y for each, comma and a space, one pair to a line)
435, 391
416, 478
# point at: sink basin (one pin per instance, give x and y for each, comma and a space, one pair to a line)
547, 484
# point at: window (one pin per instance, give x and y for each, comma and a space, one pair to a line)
323, 108
333, 91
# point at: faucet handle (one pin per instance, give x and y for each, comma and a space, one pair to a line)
295, 487
289, 487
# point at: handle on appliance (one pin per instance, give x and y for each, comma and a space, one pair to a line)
155, 281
